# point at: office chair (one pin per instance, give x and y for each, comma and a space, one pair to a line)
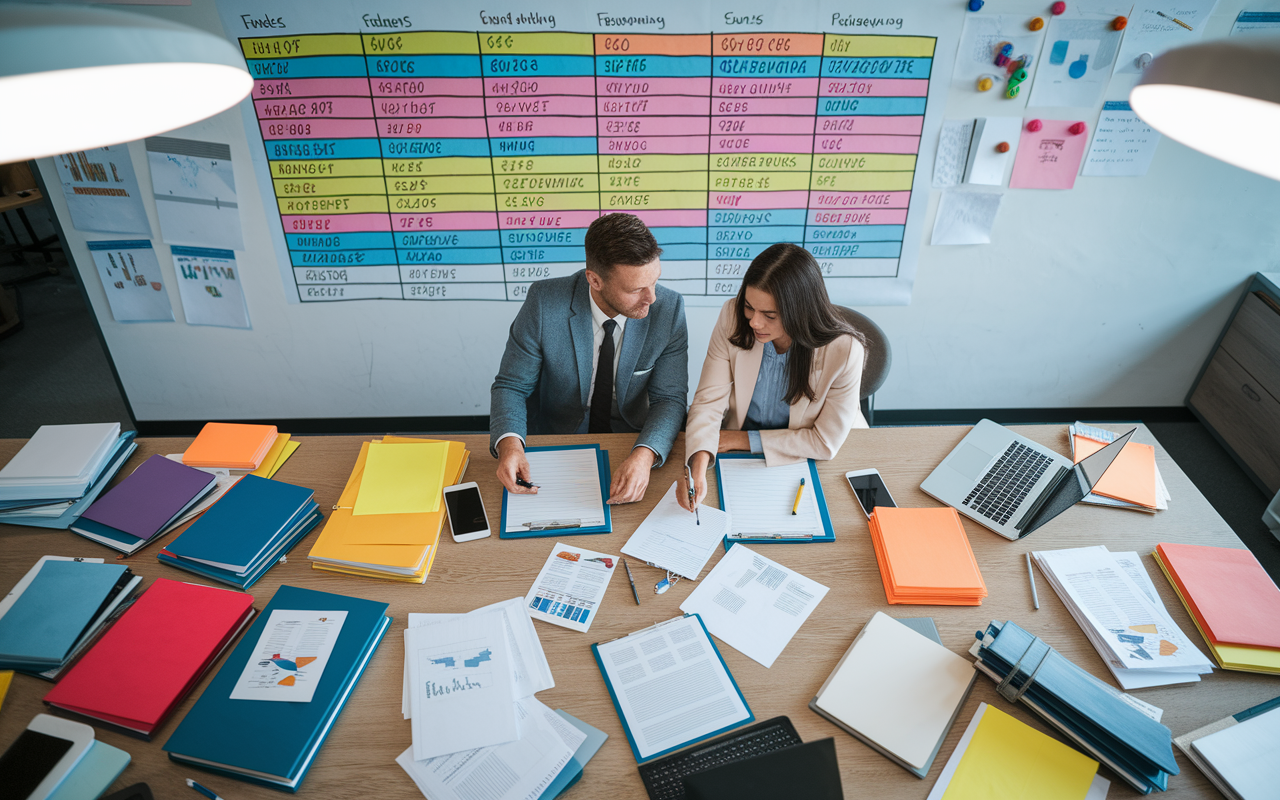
879, 358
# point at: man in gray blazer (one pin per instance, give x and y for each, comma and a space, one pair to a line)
612, 313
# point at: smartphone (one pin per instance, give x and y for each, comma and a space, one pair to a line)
869, 489
42, 756
467, 520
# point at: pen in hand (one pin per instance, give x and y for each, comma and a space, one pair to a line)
522, 482
688, 476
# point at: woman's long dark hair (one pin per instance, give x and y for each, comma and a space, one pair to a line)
791, 276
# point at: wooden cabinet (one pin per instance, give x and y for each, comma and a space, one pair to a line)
1237, 395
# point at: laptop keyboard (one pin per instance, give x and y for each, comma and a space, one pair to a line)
1007, 483
662, 778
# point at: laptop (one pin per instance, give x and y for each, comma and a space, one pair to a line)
1009, 483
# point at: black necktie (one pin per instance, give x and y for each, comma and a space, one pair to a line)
602, 399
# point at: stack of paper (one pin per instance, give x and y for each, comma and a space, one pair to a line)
1117, 729
246, 532
232, 445
148, 502
155, 654
1114, 602
1232, 600
998, 756
266, 713
60, 472
1239, 753
57, 609
898, 691
394, 545
925, 557
1133, 480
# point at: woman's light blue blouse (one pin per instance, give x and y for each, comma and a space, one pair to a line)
768, 411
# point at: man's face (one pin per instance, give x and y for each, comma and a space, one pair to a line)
628, 291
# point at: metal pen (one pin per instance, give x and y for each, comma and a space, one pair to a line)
1032, 575
688, 476
631, 581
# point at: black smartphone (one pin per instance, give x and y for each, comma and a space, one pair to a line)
869, 489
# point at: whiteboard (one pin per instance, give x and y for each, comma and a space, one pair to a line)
1110, 294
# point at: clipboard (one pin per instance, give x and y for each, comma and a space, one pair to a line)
613, 696
829, 532
602, 465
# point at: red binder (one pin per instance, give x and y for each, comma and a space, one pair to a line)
154, 655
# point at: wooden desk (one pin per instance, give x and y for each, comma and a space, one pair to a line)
358, 758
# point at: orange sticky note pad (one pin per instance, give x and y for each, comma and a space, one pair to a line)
1131, 477
230, 445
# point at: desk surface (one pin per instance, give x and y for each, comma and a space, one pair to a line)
370, 733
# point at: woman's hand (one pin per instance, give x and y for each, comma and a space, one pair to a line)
734, 440
698, 469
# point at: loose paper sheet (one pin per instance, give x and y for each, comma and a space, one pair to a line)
195, 189
209, 283
953, 149
1048, 158
1123, 145
290, 657
571, 586
754, 604
986, 165
980, 40
1256, 23
132, 281
102, 191
671, 538
1148, 32
1079, 53
965, 217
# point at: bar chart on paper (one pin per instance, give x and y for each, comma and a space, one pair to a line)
455, 165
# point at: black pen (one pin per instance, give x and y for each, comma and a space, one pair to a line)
522, 482
634, 593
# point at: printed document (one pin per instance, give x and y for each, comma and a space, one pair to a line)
670, 685
753, 604
290, 657
461, 690
569, 491
758, 499
671, 538
518, 770
571, 586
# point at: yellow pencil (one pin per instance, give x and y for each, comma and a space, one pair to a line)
799, 493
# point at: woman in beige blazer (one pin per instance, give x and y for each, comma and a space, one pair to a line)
782, 373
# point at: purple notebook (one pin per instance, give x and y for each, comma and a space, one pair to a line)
143, 503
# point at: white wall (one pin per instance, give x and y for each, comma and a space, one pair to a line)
1107, 295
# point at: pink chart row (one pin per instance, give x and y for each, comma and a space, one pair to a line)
487, 220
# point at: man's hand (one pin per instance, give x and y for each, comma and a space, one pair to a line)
632, 478
698, 469
734, 440
513, 464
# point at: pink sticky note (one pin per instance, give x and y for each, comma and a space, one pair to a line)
1049, 158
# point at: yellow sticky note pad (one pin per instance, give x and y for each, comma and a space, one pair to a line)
1013, 761
273, 455
402, 479
288, 451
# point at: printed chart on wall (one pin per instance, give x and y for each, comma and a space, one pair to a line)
462, 154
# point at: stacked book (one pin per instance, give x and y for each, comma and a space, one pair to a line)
1114, 728
1133, 480
151, 501
1238, 753
925, 557
153, 656
60, 471
397, 536
58, 609
231, 445
246, 532
1115, 603
1232, 600
270, 707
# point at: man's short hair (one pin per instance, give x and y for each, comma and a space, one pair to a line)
619, 240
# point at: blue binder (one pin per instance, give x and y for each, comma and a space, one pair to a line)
602, 462
829, 531
53, 613
306, 519
242, 526
269, 743
124, 448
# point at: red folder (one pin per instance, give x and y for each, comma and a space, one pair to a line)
147, 663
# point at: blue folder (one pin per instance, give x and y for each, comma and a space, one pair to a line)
613, 696
123, 449
602, 462
271, 743
244, 524
572, 771
829, 531
306, 519
52, 614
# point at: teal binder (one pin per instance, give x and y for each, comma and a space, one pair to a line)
829, 532
602, 463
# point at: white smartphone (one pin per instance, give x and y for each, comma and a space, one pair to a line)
42, 756
467, 520
869, 489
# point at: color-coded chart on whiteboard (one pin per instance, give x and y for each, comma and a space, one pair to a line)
465, 164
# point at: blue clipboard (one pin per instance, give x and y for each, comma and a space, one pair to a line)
829, 532
602, 463
613, 696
